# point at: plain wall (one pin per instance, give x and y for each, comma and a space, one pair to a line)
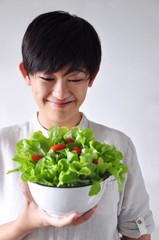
125, 94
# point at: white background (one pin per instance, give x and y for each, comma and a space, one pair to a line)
125, 94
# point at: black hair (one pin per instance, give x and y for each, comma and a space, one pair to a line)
56, 39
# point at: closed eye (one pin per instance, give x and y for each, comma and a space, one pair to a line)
77, 80
47, 79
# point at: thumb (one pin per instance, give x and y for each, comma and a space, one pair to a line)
26, 192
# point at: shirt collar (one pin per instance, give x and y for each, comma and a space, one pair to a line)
37, 126
83, 123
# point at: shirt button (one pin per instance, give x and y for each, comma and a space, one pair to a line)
139, 222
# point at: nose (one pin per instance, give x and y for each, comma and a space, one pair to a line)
60, 89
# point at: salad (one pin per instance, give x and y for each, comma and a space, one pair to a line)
68, 159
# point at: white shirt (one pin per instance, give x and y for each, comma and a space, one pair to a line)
126, 212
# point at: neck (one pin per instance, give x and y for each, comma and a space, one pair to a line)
47, 123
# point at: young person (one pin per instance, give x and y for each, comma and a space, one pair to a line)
61, 57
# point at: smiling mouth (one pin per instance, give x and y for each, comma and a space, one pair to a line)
60, 104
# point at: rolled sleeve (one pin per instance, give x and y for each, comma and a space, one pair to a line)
134, 215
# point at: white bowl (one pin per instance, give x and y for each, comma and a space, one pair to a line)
62, 201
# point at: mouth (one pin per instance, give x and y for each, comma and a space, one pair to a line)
60, 104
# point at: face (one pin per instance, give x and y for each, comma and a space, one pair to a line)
59, 96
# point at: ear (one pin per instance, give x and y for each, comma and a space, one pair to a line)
91, 83
24, 74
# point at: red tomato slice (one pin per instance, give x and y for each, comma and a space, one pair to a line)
77, 149
95, 161
57, 147
36, 157
69, 140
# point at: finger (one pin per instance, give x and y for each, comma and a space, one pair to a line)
62, 222
26, 192
85, 216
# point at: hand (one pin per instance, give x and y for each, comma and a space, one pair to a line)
33, 216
